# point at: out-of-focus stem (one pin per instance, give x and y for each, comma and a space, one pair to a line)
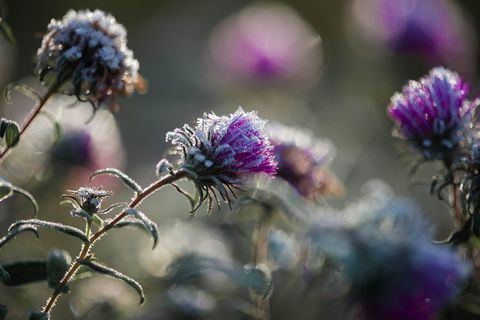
33, 114
85, 251
265, 223
459, 219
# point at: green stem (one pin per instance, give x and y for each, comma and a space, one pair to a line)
261, 257
33, 114
85, 251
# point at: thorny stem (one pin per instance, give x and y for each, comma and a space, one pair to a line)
86, 247
264, 227
33, 114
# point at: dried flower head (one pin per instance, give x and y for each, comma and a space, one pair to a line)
221, 151
303, 161
433, 113
86, 53
87, 199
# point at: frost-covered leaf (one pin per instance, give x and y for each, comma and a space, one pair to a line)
129, 182
14, 232
99, 268
147, 222
60, 227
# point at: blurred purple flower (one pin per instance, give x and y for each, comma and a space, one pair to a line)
393, 270
87, 54
434, 29
74, 148
431, 278
266, 43
221, 151
432, 113
303, 161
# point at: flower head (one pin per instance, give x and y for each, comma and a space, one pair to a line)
86, 53
303, 161
265, 43
87, 199
222, 151
394, 271
433, 29
433, 113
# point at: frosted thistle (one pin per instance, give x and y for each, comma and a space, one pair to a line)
219, 152
86, 54
432, 114
303, 161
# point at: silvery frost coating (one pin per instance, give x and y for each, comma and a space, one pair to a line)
433, 113
303, 161
265, 43
394, 271
87, 53
434, 29
221, 151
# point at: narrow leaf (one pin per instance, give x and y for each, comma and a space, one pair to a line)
57, 129
68, 230
7, 32
129, 182
149, 224
4, 275
99, 268
25, 272
29, 197
6, 189
14, 232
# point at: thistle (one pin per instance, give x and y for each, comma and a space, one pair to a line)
393, 270
86, 53
432, 114
303, 161
220, 152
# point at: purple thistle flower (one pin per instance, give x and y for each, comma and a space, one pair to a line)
86, 53
222, 151
433, 29
432, 113
303, 161
265, 43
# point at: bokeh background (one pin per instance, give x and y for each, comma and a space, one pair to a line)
338, 65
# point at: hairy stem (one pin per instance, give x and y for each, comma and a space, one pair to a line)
33, 114
261, 257
86, 248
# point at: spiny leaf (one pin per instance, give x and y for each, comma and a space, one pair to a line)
149, 224
129, 182
10, 131
68, 230
129, 223
25, 272
99, 268
112, 207
14, 232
